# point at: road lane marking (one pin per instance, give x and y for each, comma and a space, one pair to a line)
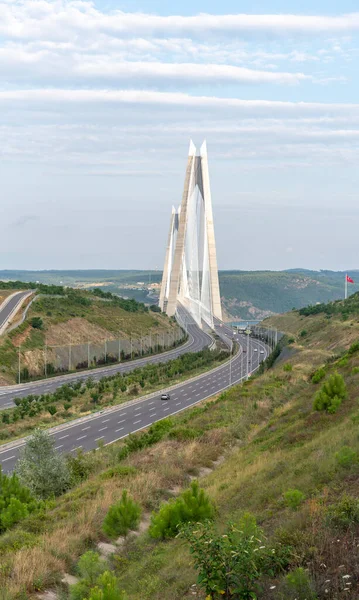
84, 429
121, 428
178, 403
105, 421
64, 436
102, 429
81, 438
5, 459
119, 422
135, 422
57, 447
121, 415
166, 408
99, 438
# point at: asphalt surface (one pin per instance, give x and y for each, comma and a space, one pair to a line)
113, 424
6, 312
197, 340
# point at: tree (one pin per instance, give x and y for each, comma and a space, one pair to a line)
122, 517
330, 396
41, 468
193, 506
37, 323
16, 501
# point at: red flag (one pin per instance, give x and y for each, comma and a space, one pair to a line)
349, 279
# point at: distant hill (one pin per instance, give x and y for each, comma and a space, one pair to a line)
245, 294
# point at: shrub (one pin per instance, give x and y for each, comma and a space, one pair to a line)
288, 367
184, 433
343, 361
330, 397
37, 323
354, 348
344, 513
318, 375
107, 588
90, 566
303, 333
346, 457
293, 498
41, 468
355, 371
230, 565
16, 501
291, 340
192, 506
122, 517
298, 586
80, 466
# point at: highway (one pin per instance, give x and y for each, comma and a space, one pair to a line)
197, 340
115, 423
8, 306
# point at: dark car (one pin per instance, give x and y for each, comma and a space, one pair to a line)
165, 396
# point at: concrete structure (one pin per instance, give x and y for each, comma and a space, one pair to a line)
190, 274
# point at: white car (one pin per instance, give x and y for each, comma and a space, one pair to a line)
255, 349
262, 351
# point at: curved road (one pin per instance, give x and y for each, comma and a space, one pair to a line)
9, 306
113, 424
197, 340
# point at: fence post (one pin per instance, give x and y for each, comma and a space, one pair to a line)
88, 355
119, 350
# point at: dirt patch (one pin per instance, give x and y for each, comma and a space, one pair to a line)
34, 361
21, 338
75, 331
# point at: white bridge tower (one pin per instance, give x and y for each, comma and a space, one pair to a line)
190, 274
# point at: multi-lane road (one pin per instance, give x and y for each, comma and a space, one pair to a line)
115, 423
197, 340
8, 307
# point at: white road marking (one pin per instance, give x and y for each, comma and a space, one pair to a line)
102, 429
84, 429
64, 436
135, 422
105, 421
121, 415
57, 447
178, 403
119, 422
121, 428
81, 438
99, 438
5, 459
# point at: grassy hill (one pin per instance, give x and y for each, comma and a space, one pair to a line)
245, 294
261, 448
60, 316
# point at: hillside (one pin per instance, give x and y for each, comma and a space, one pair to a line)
245, 294
262, 448
59, 317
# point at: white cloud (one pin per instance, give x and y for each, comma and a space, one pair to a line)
38, 19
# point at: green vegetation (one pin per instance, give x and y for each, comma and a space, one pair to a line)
41, 468
333, 391
62, 316
16, 501
79, 398
191, 507
231, 564
258, 448
122, 517
96, 583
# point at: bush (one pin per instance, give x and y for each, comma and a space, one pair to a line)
90, 566
345, 513
192, 506
122, 517
37, 323
16, 501
293, 498
184, 433
346, 457
107, 588
298, 586
303, 333
354, 348
41, 468
288, 367
330, 397
318, 375
355, 371
230, 565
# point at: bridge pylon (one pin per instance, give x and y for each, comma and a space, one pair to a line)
190, 274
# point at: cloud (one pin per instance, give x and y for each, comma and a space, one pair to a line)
31, 19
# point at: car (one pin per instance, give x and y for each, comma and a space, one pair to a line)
262, 351
244, 350
255, 349
165, 397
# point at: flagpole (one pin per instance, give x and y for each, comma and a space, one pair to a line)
346, 286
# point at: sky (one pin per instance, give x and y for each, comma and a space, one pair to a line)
98, 103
